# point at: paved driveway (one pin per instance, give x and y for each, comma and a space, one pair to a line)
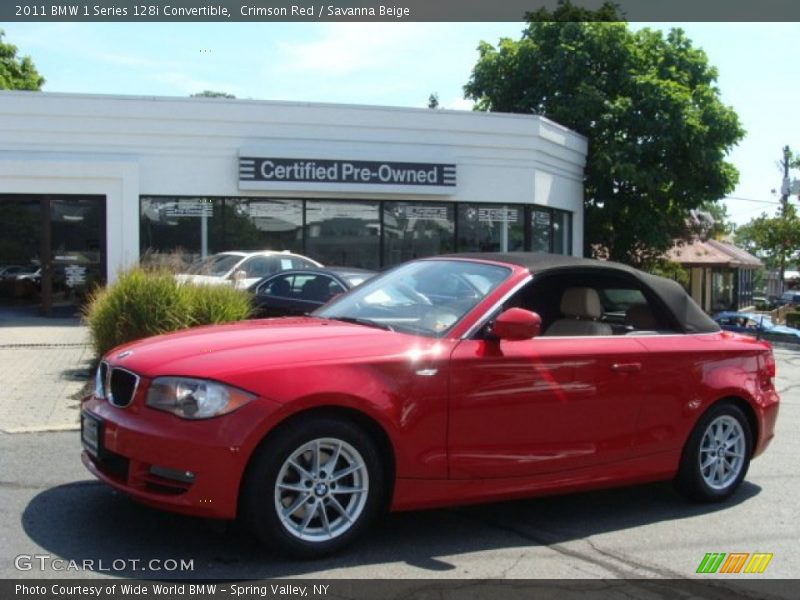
44, 363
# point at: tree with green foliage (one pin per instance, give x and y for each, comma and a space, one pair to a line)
717, 224
658, 132
17, 72
775, 240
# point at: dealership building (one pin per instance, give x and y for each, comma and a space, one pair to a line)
99, 182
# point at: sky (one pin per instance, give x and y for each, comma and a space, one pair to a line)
400, 64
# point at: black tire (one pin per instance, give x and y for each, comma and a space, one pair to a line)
260, 496
695, 483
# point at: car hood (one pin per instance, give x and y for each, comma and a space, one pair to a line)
224, 352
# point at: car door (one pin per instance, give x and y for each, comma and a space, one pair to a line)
678, 366
316, 290
522, 408
255, 269
278, 296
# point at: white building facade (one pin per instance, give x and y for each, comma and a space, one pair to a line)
103, 181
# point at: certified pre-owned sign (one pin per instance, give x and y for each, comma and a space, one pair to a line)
306, 173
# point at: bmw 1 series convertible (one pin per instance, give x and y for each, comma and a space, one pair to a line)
447, 380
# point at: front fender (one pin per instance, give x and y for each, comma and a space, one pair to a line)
411, 410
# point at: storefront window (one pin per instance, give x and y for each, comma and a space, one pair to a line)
490, 228
186, 229
343, 233
744, 288
262, 224
181, 229
367, 234
722, 290
562, 232
416, 229
541, 230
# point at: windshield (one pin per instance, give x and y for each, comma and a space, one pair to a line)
216, 265
424, 297
765, 322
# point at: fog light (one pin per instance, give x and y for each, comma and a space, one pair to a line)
173, 474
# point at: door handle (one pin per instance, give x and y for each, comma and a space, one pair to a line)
626, 367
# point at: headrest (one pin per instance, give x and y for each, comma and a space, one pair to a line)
639, 316
580, 302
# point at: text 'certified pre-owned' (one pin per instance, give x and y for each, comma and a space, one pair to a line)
342, 171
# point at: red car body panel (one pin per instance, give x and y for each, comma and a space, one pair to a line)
459, 414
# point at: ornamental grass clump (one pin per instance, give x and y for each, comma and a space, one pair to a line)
143, 303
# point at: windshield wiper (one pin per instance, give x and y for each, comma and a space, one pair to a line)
361, 321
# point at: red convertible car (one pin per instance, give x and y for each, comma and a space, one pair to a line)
456, 379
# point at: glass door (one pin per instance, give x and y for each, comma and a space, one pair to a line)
76, 251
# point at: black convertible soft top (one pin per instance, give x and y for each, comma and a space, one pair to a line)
685, 310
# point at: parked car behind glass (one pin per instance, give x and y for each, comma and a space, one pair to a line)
242, 269
298, 292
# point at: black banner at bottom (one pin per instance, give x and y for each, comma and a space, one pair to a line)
397, 589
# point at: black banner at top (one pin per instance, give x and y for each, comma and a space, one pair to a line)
381, 10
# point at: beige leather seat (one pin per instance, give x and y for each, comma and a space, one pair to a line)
581, 308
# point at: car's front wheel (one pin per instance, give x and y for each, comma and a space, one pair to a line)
717, 455
314, 487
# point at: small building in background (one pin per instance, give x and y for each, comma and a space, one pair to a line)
720, 274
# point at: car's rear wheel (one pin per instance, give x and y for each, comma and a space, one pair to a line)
314, 487
717, 455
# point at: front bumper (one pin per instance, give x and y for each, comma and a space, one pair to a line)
149, 455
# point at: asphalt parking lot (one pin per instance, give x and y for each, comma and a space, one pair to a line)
51, 507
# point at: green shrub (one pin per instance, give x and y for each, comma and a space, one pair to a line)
143, 302
217, 304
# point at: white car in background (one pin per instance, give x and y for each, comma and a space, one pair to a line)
243, 269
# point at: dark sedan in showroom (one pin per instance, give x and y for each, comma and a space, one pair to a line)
444, 381
298, 292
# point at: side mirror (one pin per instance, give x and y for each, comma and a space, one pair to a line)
517, 324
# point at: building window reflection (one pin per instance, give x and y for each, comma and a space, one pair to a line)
367, 234
185, 228
541, 230
562, 232
264, 224
490, 228
416, 229
343, 233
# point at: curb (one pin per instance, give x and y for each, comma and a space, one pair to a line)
42, 428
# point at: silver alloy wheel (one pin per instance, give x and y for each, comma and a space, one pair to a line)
321, 489
722, 451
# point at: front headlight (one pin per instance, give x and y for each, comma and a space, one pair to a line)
100, 380
194, 398
98, 384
